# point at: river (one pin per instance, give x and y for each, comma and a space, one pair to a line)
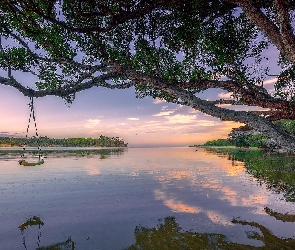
147, 198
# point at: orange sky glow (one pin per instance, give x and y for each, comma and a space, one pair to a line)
95, 112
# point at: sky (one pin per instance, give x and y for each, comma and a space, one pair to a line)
95, 112
115, 113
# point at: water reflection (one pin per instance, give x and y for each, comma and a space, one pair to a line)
279, 216
99, 202
33, 221
276, 171
36, 221
66, 245
104, 153
169, 235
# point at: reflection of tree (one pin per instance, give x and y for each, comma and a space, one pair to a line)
66, 245
168, 235
103, 153
33, 221
283, 217
270, 241
277, 171
36, 221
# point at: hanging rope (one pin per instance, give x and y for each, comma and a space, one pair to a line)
32, 115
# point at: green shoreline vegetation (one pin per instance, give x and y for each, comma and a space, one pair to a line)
44, 141
251, 141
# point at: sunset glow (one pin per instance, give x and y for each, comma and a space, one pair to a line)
140, 122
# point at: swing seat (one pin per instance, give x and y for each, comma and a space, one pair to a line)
25, 163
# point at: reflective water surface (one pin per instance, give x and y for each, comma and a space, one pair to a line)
148, 198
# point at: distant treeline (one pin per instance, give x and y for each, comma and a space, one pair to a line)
259, 141
102, 141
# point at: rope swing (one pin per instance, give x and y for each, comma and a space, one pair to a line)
40, 159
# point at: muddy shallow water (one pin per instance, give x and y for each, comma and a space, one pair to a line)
123, 199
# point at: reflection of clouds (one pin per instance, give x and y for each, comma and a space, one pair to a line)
235, 170
227, 193
174, 205
180, 207
222, 182
258, 199
92, 170
177, 174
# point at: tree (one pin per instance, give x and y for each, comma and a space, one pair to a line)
169, 49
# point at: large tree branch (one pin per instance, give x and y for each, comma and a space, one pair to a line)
285, 27
271, 115
250, 95
261, 124
67, 90
227, 102
268, 28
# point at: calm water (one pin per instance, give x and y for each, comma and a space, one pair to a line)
93, 201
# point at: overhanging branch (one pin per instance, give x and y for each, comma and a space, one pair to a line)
285, 27
66, 90
261, 124
282, 36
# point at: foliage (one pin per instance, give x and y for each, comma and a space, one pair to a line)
218, 142
259, 141
165, 49
288, 125
277, 172
240, 141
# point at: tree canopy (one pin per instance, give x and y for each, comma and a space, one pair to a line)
168, 49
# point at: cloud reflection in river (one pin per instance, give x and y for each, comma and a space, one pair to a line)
181, 207
212, 192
